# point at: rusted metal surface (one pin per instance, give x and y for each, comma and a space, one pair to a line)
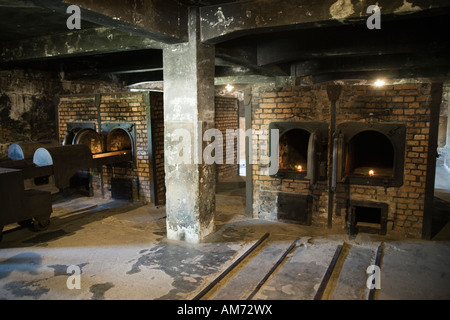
66, 161
112, 157
25, 150
63, 162
18, 204
295, 208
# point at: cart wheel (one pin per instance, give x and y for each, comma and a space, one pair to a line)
40, 224
26, 223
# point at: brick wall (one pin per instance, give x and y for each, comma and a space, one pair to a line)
133, 107
123, 107
27, 107
227, 117
28, 104
157, 111
402, 103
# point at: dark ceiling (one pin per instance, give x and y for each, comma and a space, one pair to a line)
30, 22
407, 45
203, 3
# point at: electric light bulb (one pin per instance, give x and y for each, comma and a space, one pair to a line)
380, 83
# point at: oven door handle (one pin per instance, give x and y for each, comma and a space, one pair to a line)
312, 160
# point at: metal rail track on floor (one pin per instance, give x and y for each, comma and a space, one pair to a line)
230, 268
272, 270
328, 273
238, 261
326, 287
338, 259
378, 260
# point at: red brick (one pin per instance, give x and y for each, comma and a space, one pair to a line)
268, 105
269, 95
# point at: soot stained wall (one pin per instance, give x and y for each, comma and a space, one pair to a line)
28, 102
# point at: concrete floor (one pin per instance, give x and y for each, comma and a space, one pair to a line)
122, 253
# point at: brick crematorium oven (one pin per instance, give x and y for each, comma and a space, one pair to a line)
118, 124
349, 156
125, 134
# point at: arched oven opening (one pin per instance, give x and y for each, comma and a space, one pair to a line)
90, 138
302, 150
113, 146
370, 153
82, 133
293, 151
119, 140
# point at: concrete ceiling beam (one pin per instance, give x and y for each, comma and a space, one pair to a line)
75, 43
161, 20
228, 21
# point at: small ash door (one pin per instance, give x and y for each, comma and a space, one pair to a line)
296, 208
368, 217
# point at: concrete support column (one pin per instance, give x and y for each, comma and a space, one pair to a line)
448, 124
188, 112
447, 146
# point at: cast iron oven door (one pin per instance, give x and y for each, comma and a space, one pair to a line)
302, 150
295, 208
369, 154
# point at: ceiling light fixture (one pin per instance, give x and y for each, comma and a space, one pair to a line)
229, 87
379, 83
